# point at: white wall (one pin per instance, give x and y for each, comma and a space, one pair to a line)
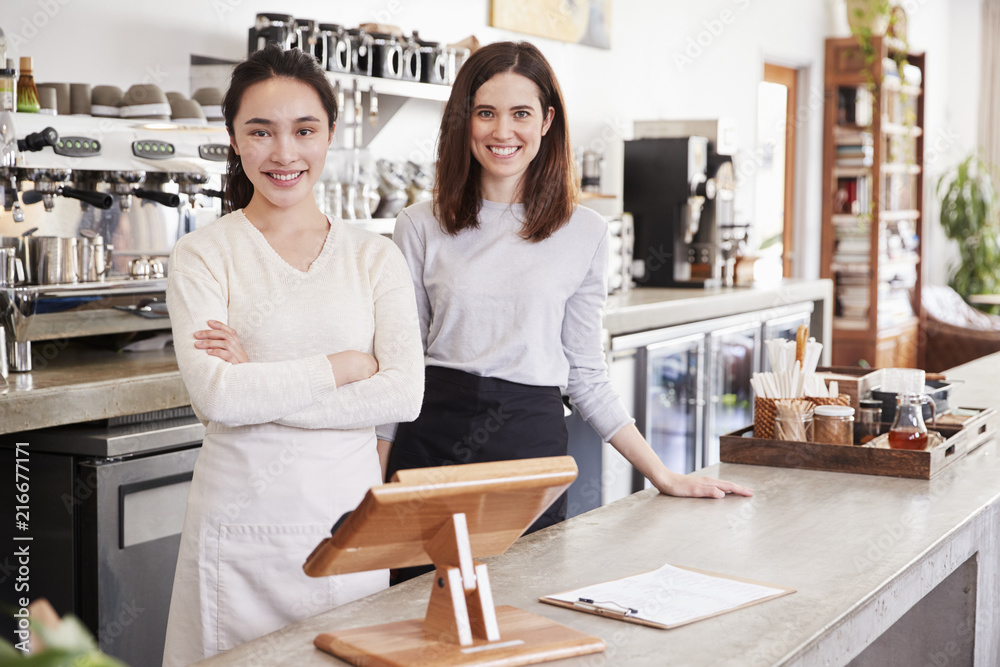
670, 59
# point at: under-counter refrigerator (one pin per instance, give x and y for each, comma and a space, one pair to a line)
734, 352
671, 413
106, 507
689, 384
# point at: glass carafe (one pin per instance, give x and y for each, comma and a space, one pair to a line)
908, 429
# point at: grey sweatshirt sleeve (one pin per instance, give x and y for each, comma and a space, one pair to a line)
589, 387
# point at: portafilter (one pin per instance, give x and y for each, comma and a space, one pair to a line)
48, 184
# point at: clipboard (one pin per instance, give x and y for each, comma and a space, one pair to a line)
599, 599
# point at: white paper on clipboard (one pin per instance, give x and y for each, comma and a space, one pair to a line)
671, 596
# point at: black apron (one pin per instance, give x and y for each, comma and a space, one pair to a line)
466, 418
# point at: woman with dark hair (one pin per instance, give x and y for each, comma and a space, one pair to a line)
295, 335
510, 280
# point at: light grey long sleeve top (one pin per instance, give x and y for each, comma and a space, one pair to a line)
493, 304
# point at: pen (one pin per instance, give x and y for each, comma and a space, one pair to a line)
599, 607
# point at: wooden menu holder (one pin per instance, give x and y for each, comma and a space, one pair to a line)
447, 516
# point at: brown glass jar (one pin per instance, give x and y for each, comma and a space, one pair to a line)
833, 424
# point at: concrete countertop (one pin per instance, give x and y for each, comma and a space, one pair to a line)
645, 308
860, 550
75, 383
80, 383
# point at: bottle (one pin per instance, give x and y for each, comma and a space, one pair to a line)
908, 429
8, 87
869, 421
27, 94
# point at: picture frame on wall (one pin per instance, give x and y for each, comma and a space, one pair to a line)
585, 22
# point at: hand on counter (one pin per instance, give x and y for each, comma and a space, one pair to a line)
221, 341
693, 486
630, 444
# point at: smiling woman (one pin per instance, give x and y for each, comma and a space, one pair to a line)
509, 273
295, 335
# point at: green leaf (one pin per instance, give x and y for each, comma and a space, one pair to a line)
70, 635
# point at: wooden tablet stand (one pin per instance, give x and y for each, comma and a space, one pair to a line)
446, 516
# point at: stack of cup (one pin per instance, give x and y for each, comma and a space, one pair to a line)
47, 100
106, 101
60, 94
210, 100
185, 111
79, 99
145, 100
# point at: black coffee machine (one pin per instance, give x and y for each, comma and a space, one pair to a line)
680, 194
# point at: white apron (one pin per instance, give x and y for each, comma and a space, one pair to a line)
261, 499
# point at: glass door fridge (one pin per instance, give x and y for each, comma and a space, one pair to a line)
733, 354
671, 413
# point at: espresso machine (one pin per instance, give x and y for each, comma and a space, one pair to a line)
679, 186
92, 208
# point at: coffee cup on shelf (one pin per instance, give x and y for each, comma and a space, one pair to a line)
79, 99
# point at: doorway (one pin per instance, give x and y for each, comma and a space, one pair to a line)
775, 191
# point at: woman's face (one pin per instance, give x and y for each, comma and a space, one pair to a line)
508, 124
281, 133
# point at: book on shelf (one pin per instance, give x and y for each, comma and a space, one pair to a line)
855, 323
852, 135
853, 244
854, 106
850, 267
852, 195
862, 161
855, 155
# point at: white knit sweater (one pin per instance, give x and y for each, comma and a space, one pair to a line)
356, 295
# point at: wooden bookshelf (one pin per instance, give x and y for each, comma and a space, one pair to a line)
872, 235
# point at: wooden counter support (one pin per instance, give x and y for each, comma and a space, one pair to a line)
461, 605
461, 626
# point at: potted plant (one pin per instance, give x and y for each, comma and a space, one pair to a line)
969, 215
868, 18
53, 642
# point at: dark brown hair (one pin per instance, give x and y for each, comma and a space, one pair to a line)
548, 187
268, 63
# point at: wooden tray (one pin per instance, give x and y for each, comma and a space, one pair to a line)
742, 447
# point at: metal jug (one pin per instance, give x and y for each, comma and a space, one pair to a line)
386, 56
412, 61
361, 51
11, 268
94, 259
3, 358
51, 260
338, 47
